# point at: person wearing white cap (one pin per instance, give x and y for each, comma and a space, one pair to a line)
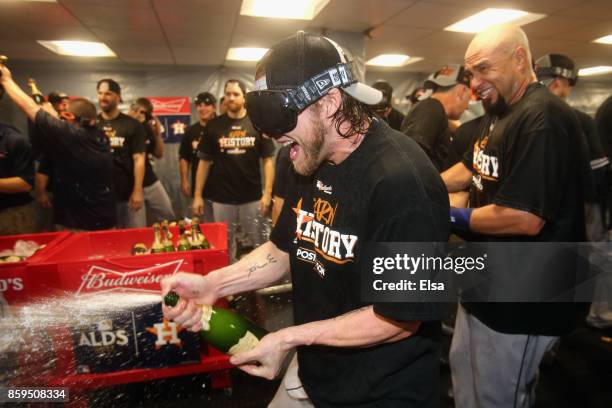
359, 181
446, 97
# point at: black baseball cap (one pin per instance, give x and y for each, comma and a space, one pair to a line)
302, 56
113, 85
551, 66
56, 97
206, 98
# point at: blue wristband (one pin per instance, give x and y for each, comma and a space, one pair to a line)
460, 218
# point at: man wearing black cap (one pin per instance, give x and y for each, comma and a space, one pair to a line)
59, 101
205, 104
128, 145
83, 196
385, 108
360, 181
558, 73
427, 122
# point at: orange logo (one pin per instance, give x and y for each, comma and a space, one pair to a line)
167, 333
446, 71
324, 211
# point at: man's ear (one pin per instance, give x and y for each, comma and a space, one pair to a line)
520, 54
332, 102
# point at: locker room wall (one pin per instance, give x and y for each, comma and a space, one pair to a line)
136, 81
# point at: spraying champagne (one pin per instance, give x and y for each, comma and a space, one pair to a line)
223, 329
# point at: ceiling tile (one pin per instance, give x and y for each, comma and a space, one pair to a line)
554, 25
115, 17
595, 9
358, 15
259, 32
431, 15
534, 6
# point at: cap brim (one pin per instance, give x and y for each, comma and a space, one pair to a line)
364, 93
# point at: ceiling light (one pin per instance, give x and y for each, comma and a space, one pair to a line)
294, 9
599, 70
245, 54
78, 48
607, 39
492, 16
392, 60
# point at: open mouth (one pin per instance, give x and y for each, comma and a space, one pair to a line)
485, 93
294, 150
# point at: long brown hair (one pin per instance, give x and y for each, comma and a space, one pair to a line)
356, 113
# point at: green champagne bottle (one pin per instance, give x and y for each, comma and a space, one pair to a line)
167, 237
203, 241
139, 249
183, 244
225, 330
196, 242
36, 94
156, 246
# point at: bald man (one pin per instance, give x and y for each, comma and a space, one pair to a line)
83, 196
524, 175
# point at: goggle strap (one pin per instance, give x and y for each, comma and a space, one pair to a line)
319, 85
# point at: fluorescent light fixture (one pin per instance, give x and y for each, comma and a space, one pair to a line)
607, 39
392, 60
491, 16
245, 54
293, 9
78, 48
599, 70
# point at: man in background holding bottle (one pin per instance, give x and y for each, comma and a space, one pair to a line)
360, 181
83, 165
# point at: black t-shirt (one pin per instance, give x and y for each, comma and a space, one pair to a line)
531, 158
385, 191
82, 171
462, 140
15, 161
597, 159
149, 177
188, 151
587, 124
235, 148
127, 137
428, 125
603, 120
395, 119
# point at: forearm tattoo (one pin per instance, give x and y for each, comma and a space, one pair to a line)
269, 260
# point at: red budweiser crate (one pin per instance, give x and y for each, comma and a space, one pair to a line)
15, 284
139, 344
91, 261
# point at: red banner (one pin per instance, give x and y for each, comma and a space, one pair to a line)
170, 105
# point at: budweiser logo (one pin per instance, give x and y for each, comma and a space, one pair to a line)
147, 280
169, 106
